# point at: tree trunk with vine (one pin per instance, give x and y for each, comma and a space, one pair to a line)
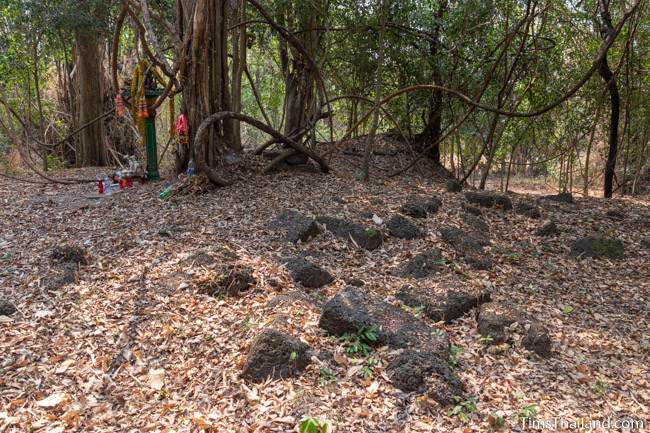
615, 101
205, 79
90, 82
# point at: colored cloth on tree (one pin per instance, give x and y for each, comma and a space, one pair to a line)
182, 126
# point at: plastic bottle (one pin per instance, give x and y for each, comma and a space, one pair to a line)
107, 186
191, 168
166, 192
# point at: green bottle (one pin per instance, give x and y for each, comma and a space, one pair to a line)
166, 192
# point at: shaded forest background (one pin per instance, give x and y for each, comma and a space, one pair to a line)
552, 89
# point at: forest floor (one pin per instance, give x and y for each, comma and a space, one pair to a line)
132, 345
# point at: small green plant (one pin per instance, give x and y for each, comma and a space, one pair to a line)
360, 344
496, 422
299, 313
326, 377
310, 424
416, 311
454, 355
512, 256
368, 369
498, 349
371, 232
357, 348
369, 334
608, 247
568, 309
54, 163
248, 323
293, 356
600, 387
463, 409
527, 412
438, 331
486, 340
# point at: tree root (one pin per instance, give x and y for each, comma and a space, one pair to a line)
295, 135
214, 176
279, 159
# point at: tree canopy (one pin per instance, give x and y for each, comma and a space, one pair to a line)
540, 87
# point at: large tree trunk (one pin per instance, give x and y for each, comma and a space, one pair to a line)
299, 97
205, 79
433, 128
300, 102
615, 101
364, 173
430, 136
239, 50
69, 105
90, 81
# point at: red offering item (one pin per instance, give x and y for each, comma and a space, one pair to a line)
119, 105
129, 182
143, 110
182, 126
100, 186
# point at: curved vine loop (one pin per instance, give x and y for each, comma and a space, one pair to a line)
214, 175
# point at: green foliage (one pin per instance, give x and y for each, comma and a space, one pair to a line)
486, 340
496, 422
512, 256
527, 412
360, 176
567, 309
54, 163
454, 355
417, 311
5, 148
311, 424
520, 395
608, 247
249, 323
5, 145
499, 349
372, 232
360, 344
326, 377
369, 335
32, 32
463, 409
600, 387
368, 369
454, 44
